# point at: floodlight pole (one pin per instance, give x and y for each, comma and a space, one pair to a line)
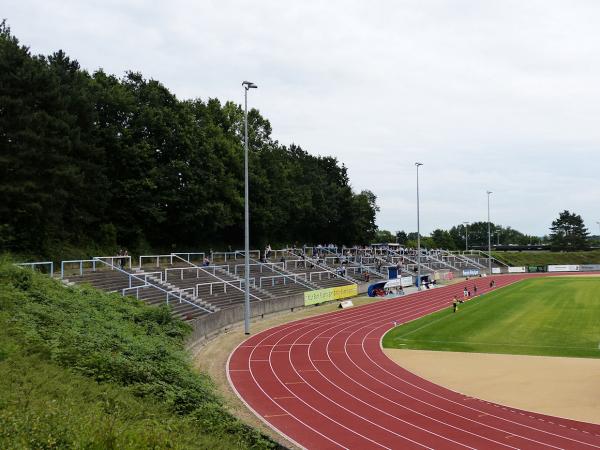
466, 224
489, 236
418, 164
247, 85
598, 223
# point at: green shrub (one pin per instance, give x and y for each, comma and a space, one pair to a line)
98, 370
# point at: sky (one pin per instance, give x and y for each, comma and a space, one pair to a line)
499, 96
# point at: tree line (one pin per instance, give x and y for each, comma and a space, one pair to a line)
567, 233
93, 161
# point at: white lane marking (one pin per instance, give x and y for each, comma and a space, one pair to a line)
325, 378
368, 311
411, 312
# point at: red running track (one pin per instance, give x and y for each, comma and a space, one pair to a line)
324, 382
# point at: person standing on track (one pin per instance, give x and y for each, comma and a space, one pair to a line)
475, 290
454, 305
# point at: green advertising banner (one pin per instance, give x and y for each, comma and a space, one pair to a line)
329, 294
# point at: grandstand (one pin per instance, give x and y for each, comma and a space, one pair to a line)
198, 284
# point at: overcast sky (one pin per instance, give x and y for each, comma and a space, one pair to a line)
501, 96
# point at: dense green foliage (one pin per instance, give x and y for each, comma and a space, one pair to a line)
383, 237
456, 237
568, 233
92, 161
555, 316
84, 369
543, 258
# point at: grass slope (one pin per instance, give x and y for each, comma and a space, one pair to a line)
83, 369
558, 316
543, 258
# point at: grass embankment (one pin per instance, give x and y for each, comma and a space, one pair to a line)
84, 369
543, 258
544, 316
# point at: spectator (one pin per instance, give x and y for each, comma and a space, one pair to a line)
123, 260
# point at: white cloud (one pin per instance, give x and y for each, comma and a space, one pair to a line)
489, 95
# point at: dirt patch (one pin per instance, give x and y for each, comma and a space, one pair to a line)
557, 386
211, 358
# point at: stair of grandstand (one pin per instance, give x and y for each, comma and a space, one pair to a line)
214, 286
327, 278
116, 281
322, 278
274, 279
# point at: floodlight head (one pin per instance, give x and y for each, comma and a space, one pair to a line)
489, 192
418, 164
249, 85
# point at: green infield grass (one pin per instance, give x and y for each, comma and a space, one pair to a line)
554, 316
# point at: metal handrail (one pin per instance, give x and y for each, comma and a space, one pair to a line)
220, 279
189, 254
273, 277
316, 264
487, 255
274, 270
157, 257
310, 274
196, 268
242, 252
80, 262
137, 290
145, 274
259, 264
32, 266
411, 260
112, 259
466, 260
224, 283
179, 297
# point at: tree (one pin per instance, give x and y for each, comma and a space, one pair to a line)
401, 237
568, 233
92, 161
443, 239
384, 237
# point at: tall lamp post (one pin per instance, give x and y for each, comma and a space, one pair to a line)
598, 223
418, 164
466, 224
247, 86
489, 236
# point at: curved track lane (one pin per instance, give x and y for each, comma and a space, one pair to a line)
324, 382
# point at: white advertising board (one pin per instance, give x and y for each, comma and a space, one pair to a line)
399, 282
406, 281
563, 268
517, 270
496, 270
